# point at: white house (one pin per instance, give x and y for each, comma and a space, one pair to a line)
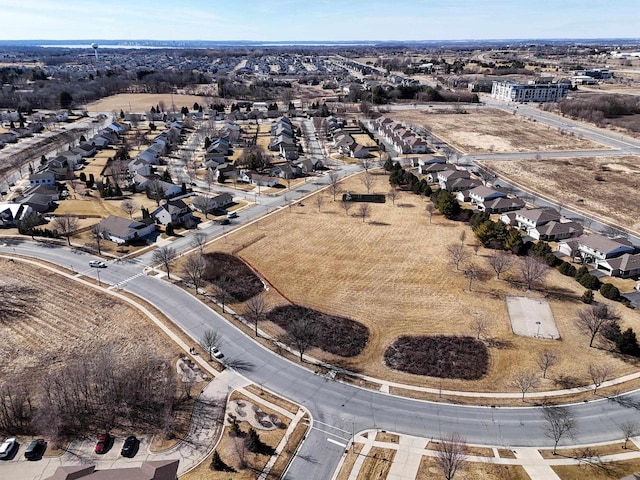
527, 220
123, 230
42, 178
481, 194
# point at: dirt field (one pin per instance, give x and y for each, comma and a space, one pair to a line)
574, 182
391, 273
142, 102
493, 131
57, 327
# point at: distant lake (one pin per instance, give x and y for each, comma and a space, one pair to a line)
89, 47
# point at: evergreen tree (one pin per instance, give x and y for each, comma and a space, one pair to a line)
587, 297
627, 343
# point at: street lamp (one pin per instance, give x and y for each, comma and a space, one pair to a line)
98, 273
538, 332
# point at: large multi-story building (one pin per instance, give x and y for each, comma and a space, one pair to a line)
535, 92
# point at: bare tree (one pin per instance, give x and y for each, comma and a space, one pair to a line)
204, 203
473, 272
364, 210
451, 455
209, 340
558, 422
346, 206
66, 226
98, 233
199, 241
155, 191
365, 163
318, 199
629, 429
15, 301
598, 374
457, 254
221, 287
209, 178
525, 381
430, 208
303, 333
194, 269
334, 186
463, 236
533, 270
255, 310
500, 262
165, 255
546, 360
393, 195
479, 324
129, 207
367, 181
593, 319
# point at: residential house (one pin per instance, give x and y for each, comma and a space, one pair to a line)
42, 178
481, 195
287, 171
458, 184
175, 212
624, 266
506, 204
149, 470
85, 149
38, 202
219, 202
11, 213
226, 171
118, 128
527, 220
139, 166
49, 190
149, 157
257, 179
309, 165
597, 249
445, 177
289, 152
431, 170
123, 230
554, 231
8, 137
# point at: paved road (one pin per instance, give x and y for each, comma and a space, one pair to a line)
337, 408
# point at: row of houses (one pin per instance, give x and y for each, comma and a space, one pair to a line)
283, 139
401, 135
616, 257
342, 135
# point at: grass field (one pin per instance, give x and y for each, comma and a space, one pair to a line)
391, 273
597, 185
56, 328
429, 470
493, 131
142, 102
602, 471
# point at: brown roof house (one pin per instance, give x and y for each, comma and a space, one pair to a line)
624, 266
150, 470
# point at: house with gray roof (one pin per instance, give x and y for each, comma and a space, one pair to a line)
626, 265
11, 213
174, 212
553, 231
528, 219
42, 178
123, 230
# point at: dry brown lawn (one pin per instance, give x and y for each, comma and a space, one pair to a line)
493, 131
572, 181
69, 318
429, 470
603, 471
142, 102
391, 273
377, 464
608, 449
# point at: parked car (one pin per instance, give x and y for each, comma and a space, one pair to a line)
232, 215
7, 448
130, 447
224, 221
35, 449
97, 264
217, 353
104, 442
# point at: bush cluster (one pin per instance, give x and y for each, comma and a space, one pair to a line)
242, 282
439, 356
338, 335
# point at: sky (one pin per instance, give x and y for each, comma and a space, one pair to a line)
316, 20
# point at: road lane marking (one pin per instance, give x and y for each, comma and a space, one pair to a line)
331, 440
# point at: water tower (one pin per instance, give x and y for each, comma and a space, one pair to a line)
95, 49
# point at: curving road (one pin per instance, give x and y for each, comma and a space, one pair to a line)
337, 408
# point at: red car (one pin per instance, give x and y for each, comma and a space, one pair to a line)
104, 442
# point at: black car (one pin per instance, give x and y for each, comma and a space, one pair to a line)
129, 447
35, 449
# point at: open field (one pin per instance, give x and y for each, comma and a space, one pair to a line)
54, 330
391, 273
596, 185
142, 102
493, 131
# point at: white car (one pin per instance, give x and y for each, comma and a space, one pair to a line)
217, 353
97, 264
7, 448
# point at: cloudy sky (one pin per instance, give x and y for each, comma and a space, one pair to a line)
333, 20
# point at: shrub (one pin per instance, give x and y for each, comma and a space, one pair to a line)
610, 291
439, 356
338, 335
589, 281
567, 269
242, 283
582, 271
587, 297
218, 465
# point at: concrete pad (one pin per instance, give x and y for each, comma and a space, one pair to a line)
406, 461
532, 317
